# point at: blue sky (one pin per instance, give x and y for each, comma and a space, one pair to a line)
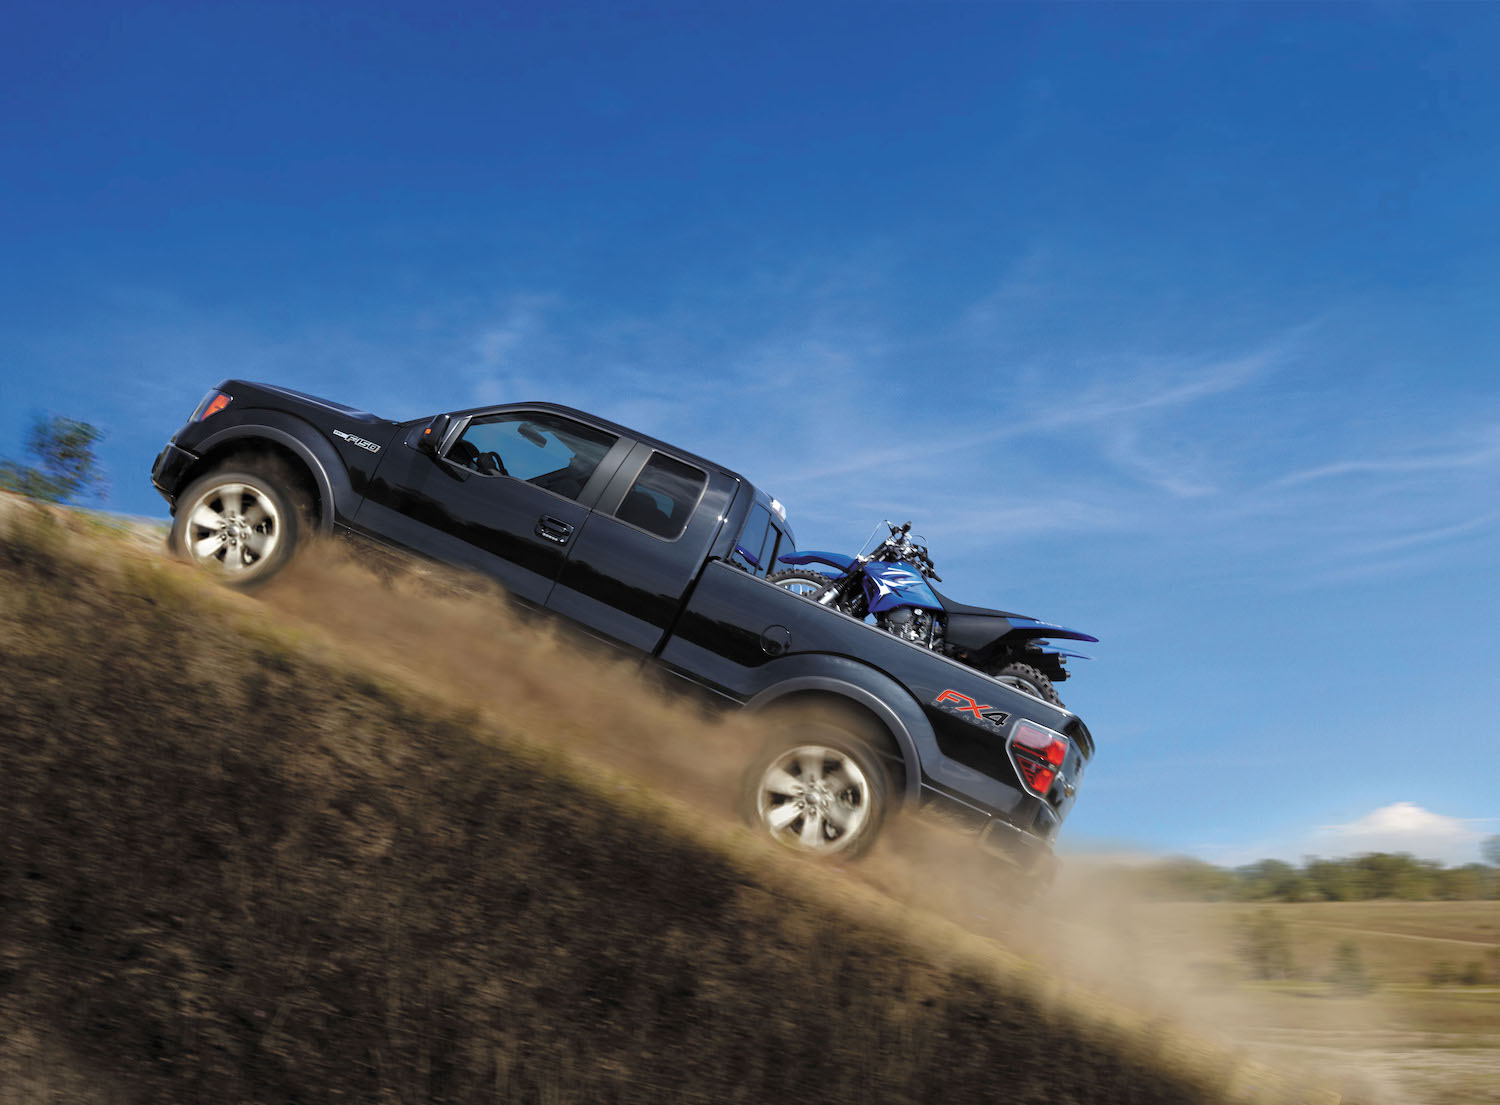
1172, 323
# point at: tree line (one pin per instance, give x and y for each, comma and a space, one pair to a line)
1351, 879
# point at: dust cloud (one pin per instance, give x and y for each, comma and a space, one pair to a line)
460, 638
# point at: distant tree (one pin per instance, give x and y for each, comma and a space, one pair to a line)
64, 448
1421, 881
1348, 975
1440, 973
1353, 878
1490, 850
1393, 875
1271, 878
1182, 877
1472, 974
1332, 879
1471, 882
1266, 946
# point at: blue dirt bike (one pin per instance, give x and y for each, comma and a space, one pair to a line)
890, 584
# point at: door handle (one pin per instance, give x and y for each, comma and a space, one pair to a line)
553, 529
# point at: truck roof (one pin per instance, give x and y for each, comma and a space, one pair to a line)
354, 413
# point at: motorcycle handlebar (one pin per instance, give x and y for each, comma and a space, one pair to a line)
899, 543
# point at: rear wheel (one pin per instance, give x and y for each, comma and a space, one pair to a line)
1024, 677
241, 524
818, 789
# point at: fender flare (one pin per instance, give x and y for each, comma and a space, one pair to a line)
1028, 629
836, 560
897, 710
300, 438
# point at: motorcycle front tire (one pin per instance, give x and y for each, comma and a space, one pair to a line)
808, 582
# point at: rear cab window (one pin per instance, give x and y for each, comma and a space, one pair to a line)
761, 541
749, 548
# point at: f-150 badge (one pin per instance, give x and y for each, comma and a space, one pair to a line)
361, 442
963, 704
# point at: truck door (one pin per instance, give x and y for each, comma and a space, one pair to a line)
508, 496
642, 547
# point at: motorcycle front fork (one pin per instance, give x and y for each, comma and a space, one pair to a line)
834, 596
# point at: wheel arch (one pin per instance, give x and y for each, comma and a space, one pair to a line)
318, 471
880, 713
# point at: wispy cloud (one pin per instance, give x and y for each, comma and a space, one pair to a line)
1150, 385
972, 425
1179, 472
1424, 463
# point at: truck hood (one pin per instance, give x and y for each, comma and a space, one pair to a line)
352, 413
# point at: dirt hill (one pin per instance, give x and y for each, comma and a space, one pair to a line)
374, 840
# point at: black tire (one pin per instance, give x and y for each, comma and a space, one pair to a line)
813, 582
1025, 678
242, 523
818, 789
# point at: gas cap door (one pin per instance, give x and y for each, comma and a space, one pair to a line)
776, 640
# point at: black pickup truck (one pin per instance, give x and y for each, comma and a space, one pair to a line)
656, 551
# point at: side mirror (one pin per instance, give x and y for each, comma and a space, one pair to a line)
430, 440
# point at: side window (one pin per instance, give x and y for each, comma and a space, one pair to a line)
663, 496
547, 450
749, 550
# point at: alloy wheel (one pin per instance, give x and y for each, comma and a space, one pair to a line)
232, 527
814, 798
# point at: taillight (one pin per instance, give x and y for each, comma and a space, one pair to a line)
212, 404
1039, 754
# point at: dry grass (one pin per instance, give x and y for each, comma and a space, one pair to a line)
317, 846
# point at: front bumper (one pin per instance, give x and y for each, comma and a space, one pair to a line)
169, 472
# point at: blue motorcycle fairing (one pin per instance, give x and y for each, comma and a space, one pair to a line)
890, 586
838, 560
1030, 627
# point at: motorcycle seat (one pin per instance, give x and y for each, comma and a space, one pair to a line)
970, 611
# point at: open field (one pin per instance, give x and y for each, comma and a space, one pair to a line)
1400, 942
1412, 1041
1423, 1042
308, 846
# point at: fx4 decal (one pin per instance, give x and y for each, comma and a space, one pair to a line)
361, 442
963, 704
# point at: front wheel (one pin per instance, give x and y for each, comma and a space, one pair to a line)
240, 524
808, 582
813, 584
1024, 677
817, 789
